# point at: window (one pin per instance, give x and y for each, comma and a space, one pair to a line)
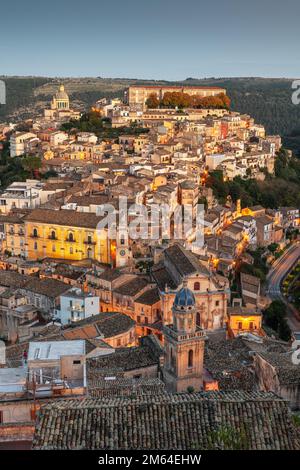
36, 353
190, 358
53, 236
53, 248
77, 362
71, 251
217, 303
1, 417
251, 325
240, 325
197, 286
89, 239
35, 245
198, 319
71, 237
35, 232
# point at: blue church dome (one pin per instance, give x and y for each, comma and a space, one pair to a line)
184, 298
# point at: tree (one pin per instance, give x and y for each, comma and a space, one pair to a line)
152, 101
275, 317
284, 330
176, 99
226, 437
50, 174
31, 164
273, 247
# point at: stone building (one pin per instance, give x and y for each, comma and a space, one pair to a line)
137, 362
211, 291
184, 346
65, 234
60, 107
277, 373
137, 95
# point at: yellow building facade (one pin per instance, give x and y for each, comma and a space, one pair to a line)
66, 235
244, 320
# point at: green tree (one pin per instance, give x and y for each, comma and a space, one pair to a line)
225, 437
31, 164
273, 247
275, 318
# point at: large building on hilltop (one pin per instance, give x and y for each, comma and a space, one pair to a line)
60, 107
137, 95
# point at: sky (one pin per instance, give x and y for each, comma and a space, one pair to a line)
150, 39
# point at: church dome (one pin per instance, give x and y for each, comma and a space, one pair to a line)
184, 298
61, 94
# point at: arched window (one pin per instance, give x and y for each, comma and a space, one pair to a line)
53, 234
71, 237
198, 319
197, 286
190, 360
35, 232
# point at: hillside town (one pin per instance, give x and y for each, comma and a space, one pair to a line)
116, 323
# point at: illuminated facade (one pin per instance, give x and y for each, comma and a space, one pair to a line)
67, 235
244, 320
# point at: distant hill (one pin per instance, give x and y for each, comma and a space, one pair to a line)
268, 100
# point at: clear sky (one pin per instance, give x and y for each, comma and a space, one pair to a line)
160, 39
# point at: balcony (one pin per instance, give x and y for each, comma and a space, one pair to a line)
89, 242
183, 337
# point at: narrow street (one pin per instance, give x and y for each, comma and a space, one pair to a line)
277, 273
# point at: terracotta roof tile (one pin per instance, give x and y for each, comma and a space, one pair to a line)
178, 421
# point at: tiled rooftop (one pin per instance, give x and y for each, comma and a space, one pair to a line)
178, 421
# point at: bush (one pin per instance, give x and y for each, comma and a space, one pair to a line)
275, 318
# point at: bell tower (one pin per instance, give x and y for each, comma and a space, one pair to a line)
184, 345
